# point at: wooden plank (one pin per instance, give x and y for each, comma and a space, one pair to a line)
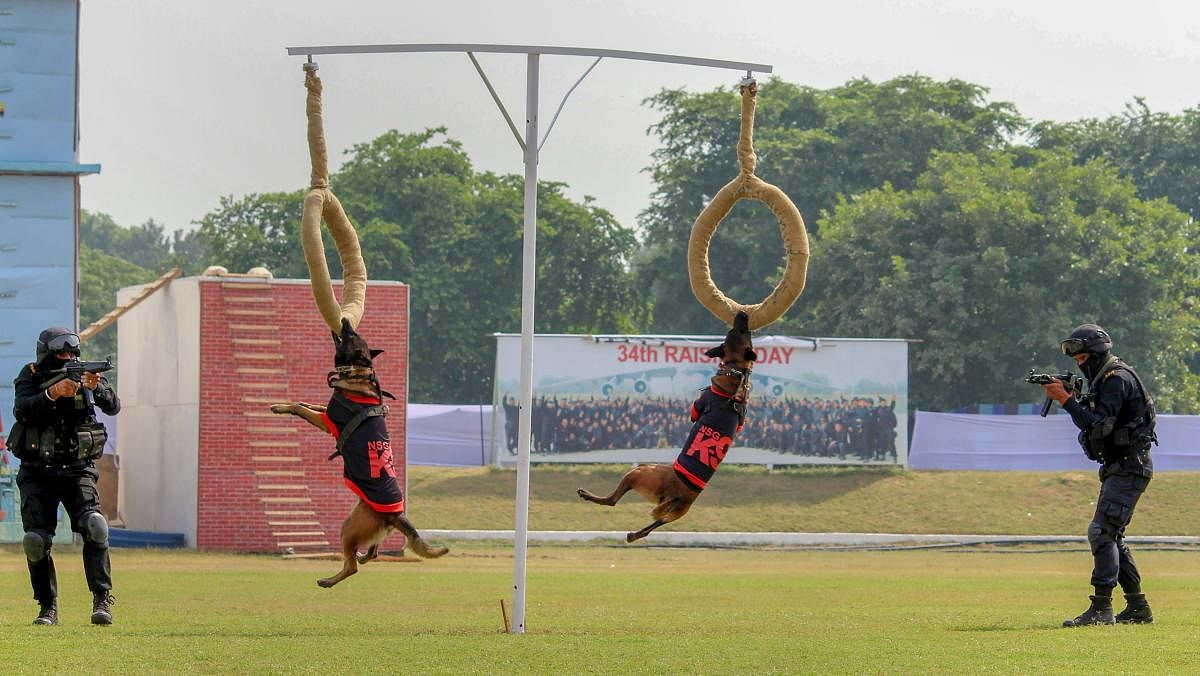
256, 371
263, 386
313, 555
278, 472
272, 430
290, 512
284, 500
249, 299
254, 341
275, 458
298, 533
269, 444
253, 327
112, 315
282, 487
259, 356
257, 286
293, 523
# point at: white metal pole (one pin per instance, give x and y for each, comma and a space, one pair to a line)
528, 278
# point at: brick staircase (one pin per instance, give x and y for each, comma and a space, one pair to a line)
280, 479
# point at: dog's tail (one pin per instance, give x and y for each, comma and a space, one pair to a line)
419, 546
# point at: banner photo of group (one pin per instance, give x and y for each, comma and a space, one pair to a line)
626, 399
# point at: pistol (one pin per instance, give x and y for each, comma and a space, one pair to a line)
1073, 385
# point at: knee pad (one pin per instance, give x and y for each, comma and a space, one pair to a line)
95, 528
36, 546
1097, 536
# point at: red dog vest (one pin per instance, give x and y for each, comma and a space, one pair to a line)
367, 454
712, 434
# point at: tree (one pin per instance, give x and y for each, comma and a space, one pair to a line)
1159, 152
990, 262
146, 246
815, 145
251, 231
425, 217
455, 236
100, 277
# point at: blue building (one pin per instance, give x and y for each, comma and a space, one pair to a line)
39, 183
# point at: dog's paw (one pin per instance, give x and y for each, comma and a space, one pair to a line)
325, 583
281, 409
630, 537
581, 493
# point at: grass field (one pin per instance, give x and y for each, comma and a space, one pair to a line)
805, 499
605, 610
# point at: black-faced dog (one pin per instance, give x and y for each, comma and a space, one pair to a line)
717, 416
355, 418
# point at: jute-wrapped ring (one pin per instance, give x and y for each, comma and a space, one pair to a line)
320, 203
791, 226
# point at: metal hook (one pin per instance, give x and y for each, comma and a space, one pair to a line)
310, 66
748, 80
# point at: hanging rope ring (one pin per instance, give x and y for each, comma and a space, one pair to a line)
321, 204
791, 227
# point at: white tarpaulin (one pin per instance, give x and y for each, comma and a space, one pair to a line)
1028, 442
449, 435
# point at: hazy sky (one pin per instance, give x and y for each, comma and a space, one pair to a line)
182, 102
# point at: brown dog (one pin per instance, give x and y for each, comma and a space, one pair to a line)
355, 417
718, 415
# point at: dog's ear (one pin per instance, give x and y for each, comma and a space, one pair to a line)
751, 355
376, 353
716, 352
337, 340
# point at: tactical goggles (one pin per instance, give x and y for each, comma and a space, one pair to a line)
1074, 346
67, 342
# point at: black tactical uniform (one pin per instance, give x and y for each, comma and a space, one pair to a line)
1116, 422
57, 442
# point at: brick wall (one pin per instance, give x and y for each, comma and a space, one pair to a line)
264, 482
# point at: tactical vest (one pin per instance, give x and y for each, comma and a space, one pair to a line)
1131, 431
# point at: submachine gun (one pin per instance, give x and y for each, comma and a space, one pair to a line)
1072, 384
75, 369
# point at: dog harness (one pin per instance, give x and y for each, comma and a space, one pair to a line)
716, 421
358, 425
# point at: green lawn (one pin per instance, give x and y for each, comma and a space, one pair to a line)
851, 500
605, 610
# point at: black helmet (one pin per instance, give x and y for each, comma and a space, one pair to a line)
57, 339
1088, 338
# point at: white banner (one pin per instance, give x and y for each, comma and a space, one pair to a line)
627, 398
1031, 443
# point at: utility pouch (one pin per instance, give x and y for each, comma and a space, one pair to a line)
16, 440
89, 441
40, 444
1120, 436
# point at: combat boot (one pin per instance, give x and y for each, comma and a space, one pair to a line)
1100, 612
1137, 610
47, 613
102, 603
